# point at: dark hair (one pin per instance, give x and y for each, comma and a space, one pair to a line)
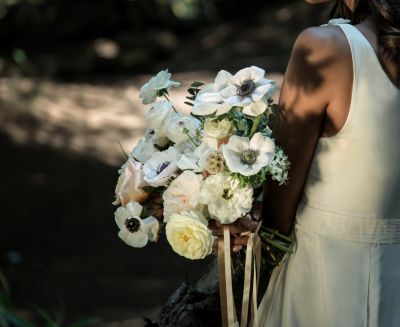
386, 14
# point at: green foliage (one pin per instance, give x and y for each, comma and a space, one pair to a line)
254, 181
193, 90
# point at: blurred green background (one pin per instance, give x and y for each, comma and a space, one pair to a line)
70, 73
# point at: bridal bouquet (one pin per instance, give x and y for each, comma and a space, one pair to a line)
190, 168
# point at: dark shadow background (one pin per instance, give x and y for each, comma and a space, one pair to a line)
70, 72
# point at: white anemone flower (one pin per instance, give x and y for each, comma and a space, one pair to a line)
209, 100
162, 81
135, 231
161, 167
225, 199
157, 116
180, 128
248, 87
144, 149
197, 160
248, 157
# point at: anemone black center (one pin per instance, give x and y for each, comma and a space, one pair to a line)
132, 224
246, 88
248, 157
162, 167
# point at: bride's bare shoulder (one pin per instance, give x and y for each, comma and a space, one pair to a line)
321, 43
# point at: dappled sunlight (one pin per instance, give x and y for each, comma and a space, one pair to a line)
84, 119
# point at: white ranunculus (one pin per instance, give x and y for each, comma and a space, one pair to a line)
181, 194
218, 129
197, 160
225, 199
248, 157
189, 236
130, 183
161, 167
157, 116
135, 231
248, 86
150, 90
179, 127
144, 149
209, 100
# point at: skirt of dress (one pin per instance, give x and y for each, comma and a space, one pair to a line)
329, 282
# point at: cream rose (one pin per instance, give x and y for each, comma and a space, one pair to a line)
181, 194
218, 129
130, 184
188, 235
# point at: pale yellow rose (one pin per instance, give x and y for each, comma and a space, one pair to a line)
182, 193
188, 235
130, 184
218, 129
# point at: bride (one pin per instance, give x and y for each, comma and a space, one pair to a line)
340, 126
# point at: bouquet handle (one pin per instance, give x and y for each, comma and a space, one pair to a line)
251, 279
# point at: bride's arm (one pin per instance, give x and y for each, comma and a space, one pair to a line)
305, 95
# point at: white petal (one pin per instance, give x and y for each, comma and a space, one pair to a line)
210, 97
223, 77
255, 109
223, 108
262, 143
260, 91
121, 215
229, 91
138, 239
203, 108
150, 227
256, 73
264, 159
238, 144
242, 75
134, 209
238, 101
232, 159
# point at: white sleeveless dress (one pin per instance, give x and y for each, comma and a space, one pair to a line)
345, 270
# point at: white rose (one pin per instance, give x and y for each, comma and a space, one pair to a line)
158, 115
130, 183
225, 199
218, 129
144, 149
135, 231
181, 194
179, 127
150, 90
161, 167
248, 157
188, 235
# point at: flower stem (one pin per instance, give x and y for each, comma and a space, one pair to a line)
166, 97
256, 122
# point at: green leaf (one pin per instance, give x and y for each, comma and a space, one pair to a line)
191, 98
192, 91
196, 84
189, 103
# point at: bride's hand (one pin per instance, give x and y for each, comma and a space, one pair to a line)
237, 229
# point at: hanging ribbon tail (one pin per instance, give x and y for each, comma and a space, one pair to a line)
228, 310
251, 280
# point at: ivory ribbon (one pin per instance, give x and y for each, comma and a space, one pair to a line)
251, 279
